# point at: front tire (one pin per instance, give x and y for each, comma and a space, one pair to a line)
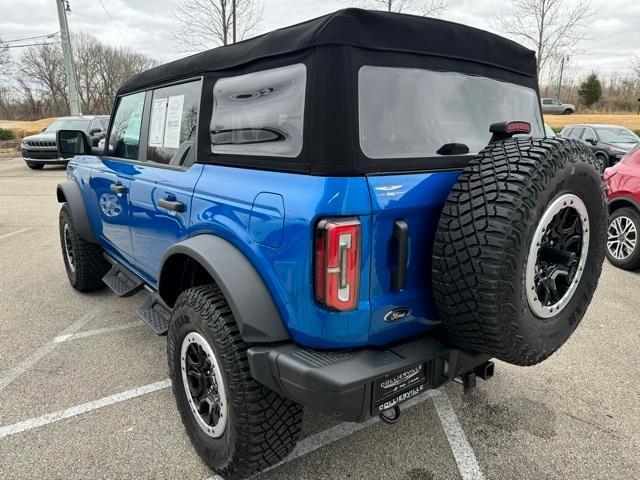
83, 260
35, 166
623, 242
567, 111
237, 426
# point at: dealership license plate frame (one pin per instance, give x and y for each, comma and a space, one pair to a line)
399, 386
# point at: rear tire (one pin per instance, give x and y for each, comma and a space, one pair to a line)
623, 242
84, 261
246, 427
500, 283
35, 166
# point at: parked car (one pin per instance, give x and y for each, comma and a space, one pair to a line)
307, 243
623, 187
609, 143
555, 106
549, 132
40, 149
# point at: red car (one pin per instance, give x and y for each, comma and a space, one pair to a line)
623, 187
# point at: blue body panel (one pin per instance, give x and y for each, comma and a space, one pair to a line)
271, 217
417, 199
153, 229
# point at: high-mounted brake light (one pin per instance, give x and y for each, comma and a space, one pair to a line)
337, 266
503, 130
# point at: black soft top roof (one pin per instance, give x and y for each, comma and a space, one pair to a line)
371, 30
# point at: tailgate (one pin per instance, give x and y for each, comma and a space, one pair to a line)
406, 209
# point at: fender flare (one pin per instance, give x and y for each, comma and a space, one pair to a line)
624, 199
69, 192
255, 312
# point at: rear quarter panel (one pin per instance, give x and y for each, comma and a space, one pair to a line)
224, 202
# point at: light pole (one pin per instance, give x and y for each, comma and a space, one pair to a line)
560, 79
233, 13
67, 53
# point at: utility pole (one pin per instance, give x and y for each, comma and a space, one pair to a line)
69, 66
233, 13
560, 79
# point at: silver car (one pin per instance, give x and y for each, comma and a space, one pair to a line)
555, 106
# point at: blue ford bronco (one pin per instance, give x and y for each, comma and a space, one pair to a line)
338, 215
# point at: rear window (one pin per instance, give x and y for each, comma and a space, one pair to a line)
413, 113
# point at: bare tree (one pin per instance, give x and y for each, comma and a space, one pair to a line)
4, 54
550, 27
204, 24
430, 8
635, 66
101, 69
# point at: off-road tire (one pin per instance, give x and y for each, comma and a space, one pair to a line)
483, 240
632, 262
90, 264
35, 166
262, 427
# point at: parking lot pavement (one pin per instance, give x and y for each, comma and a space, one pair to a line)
84, 390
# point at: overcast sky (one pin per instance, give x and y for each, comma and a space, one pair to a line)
145, 25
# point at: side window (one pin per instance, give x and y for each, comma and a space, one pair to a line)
260, 113
124, 139
556, 102
104, 124
547, 102
95, 125
577, 132
566, 133
174, 123
588, 133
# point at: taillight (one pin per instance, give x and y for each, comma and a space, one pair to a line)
337, 263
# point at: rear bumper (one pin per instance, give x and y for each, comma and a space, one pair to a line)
347, 384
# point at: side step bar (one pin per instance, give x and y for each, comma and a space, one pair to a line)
122, 282
155, 313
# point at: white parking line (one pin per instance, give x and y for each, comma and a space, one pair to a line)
97, 331
462, 451
80, 409
47, 348
7, 235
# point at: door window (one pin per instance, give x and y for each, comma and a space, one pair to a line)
588, 133
124, 139
577, 132
173, 123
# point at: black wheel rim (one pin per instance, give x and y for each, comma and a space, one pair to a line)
557, 255
203, 384
68, 248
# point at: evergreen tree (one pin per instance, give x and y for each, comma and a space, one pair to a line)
590, 90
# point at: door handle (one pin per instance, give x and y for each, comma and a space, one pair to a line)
172, 205
118, 188
401, 238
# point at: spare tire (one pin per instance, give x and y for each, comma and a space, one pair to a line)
519, 248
